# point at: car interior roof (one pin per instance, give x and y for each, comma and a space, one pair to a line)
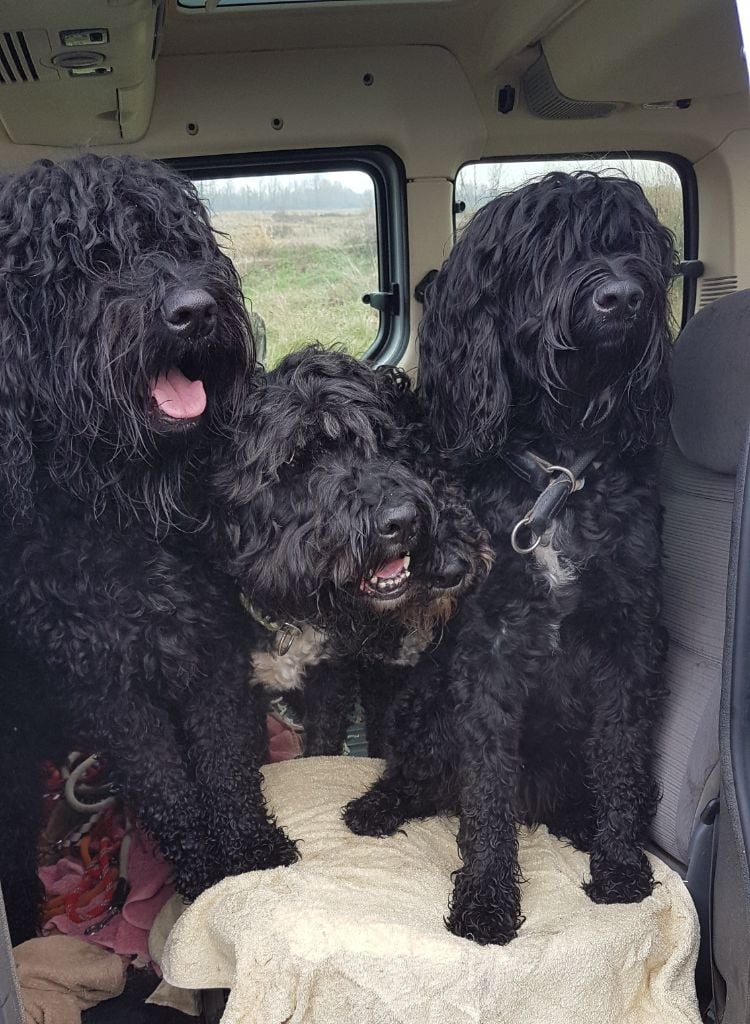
251, 62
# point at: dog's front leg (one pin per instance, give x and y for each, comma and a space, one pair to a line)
330, 698
420, 777
379, 684
147, 760
486, 902
226, 737
618, 755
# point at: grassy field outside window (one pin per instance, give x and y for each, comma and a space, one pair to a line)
306, 249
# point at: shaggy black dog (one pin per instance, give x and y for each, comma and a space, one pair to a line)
352, 548
544, 360
125, 357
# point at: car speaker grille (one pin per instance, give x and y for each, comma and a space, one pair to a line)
713, 288
16, 63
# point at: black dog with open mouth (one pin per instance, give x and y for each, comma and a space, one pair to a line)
125, 357
353, 550
544, 373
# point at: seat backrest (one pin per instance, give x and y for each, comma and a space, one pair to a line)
711, 377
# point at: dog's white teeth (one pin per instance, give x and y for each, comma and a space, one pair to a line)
374, 580
392, 582
407, 562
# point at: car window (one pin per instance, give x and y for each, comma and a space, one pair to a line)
477, 183
306, 247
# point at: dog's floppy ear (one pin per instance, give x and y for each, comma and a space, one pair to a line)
462, 377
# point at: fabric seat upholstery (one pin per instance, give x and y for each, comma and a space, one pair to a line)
711, 376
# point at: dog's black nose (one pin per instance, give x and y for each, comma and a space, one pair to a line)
397, 523
189, 312
449, 575
622, 296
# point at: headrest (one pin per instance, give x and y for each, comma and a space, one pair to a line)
711, 379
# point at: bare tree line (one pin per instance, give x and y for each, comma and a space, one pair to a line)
282, 193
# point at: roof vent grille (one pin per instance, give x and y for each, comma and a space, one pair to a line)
545, 100
713, 288
16, 63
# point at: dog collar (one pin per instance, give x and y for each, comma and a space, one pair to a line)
556, 483
286, 632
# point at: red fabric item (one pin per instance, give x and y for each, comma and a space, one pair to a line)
284, 742
127, 932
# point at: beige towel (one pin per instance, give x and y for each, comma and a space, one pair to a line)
165, 994
353, 933
60, 976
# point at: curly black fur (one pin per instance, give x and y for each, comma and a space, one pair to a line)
555, 668
120, 632
333, 485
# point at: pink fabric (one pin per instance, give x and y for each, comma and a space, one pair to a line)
149, 875
284, 743
127, 932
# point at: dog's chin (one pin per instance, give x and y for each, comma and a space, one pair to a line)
616, 334
172, 428
604, 349
381, 604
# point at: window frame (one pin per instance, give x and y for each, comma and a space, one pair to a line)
680, 164
388, 176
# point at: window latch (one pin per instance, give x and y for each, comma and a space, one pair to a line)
384, 302
691, 269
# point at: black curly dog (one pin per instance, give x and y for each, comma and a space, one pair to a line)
352, 548
546, 332
126, 354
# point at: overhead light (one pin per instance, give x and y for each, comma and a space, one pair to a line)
75, 59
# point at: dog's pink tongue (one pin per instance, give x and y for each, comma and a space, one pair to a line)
390, 569
178, 397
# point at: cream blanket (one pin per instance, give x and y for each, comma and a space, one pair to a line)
353, 933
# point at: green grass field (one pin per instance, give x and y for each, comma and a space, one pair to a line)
305, 274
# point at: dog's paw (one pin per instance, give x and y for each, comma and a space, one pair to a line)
374, 814
266, 848
479, 914
275, 850
621, 883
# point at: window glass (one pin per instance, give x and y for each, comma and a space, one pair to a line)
306, 248
477, 183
